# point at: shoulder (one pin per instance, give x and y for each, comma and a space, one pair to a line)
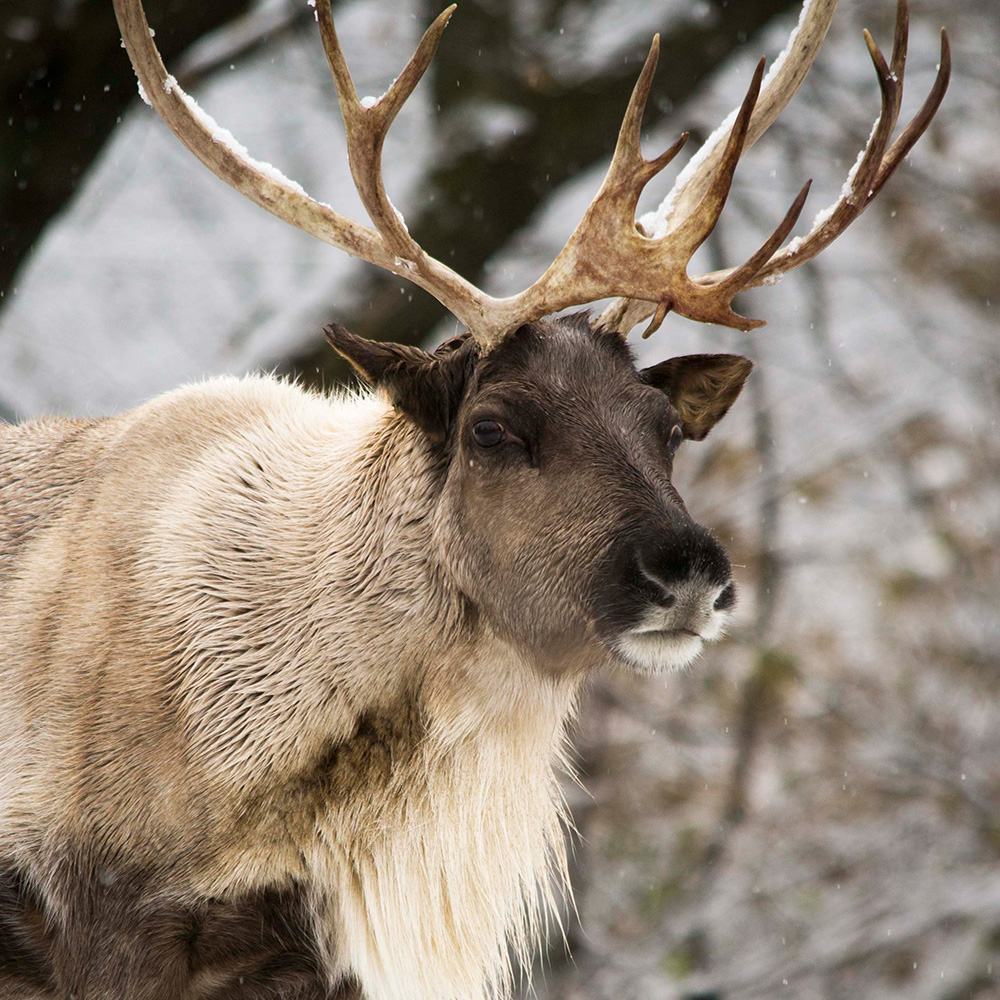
230, 403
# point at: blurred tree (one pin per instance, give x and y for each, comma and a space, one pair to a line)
63, 86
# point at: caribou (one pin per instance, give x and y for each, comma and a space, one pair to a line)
286, 677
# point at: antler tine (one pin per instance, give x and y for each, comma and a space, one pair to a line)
697, 227
918, 124
897, 62
628, 166
874, 168
627, 147
368, 124
347, 95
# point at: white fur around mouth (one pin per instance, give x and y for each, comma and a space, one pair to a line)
655, 650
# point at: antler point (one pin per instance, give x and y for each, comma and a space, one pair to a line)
662, 308
873, 48
654, 52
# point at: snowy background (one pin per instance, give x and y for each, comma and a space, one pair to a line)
813, 810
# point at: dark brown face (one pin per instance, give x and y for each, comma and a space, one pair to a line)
557, 516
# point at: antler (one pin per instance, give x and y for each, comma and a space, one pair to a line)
390, 246
608, 253
871, 170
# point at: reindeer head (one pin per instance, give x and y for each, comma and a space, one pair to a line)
557, 517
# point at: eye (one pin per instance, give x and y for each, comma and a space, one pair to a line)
488, 433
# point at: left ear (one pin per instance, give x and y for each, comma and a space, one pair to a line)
425, 387
701, 387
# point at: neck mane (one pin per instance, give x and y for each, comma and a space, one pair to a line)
460, 856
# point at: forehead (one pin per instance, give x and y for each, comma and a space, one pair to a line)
560, 360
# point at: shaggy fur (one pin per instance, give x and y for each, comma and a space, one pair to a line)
219, 755
286, 679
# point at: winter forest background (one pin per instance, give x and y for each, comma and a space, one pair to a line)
813, 809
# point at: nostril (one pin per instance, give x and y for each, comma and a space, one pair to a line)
657, 589
726, 599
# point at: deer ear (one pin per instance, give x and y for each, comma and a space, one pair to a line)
701, 387
425, 387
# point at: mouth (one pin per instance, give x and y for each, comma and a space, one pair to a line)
651, 650
650, 630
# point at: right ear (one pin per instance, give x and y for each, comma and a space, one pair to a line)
427, 388
701, 387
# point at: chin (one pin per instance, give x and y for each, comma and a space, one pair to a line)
655, 652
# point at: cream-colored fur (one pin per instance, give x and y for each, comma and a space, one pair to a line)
202, 603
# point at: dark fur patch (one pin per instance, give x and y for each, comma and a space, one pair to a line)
380, 742
116, 932
25, 941
566, 345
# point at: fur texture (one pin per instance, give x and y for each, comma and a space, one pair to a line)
221, 755
286, 679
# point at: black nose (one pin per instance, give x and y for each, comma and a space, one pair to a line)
683, 566
667, 575
682, 554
